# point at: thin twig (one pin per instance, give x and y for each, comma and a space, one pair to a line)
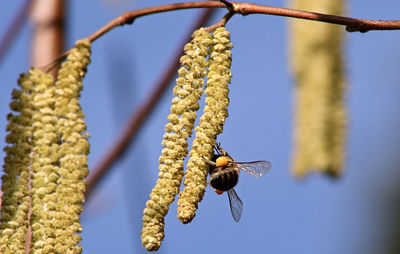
14, 28
139, 116
222, 22
352, 24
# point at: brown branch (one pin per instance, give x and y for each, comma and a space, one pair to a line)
139, 116
14, 28
352, 24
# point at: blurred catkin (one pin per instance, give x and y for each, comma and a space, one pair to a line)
211, 124
15, 199
316, 53
180, 126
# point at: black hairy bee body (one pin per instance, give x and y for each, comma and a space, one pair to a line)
224, 178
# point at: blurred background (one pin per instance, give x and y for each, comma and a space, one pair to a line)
358, 213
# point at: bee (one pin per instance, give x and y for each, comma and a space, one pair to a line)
224, 175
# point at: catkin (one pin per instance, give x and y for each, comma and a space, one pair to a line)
15, 199
320, 113
59, 157
73, 149
211, 124
180, 126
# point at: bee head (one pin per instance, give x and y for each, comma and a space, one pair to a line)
222, 161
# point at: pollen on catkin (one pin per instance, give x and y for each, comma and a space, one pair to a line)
15, 199
320, 113
181, 119
211, 124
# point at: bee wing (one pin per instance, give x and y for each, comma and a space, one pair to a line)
235, 204
255, 168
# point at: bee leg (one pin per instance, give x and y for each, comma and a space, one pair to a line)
223, 152
216, 148
220, 150
211, 163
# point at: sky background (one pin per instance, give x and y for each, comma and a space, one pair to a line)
355, 214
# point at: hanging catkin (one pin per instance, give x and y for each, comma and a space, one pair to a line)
211, 124
46, 160
320, 115
188, 91
59, 156
73, 149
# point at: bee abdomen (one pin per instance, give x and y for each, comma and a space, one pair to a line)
224, 179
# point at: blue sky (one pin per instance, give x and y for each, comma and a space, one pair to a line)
355, 214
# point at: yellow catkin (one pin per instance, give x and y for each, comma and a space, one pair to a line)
59, 160
15, 199
180, 126
320, 114
211, 124
73, 149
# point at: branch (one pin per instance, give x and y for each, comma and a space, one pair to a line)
138, 117
48, 19
352, 24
